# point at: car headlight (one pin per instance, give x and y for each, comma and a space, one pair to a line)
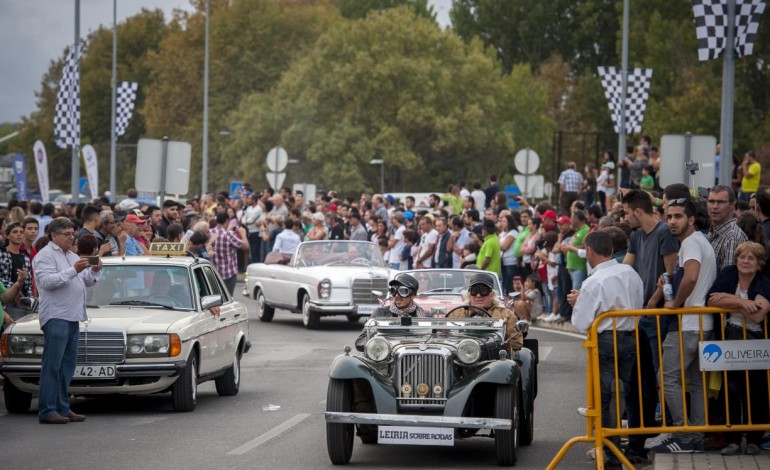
325, 289
148, 345
25, 345
377, 349
468, 351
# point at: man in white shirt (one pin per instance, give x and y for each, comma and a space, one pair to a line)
697, 268
252, 214
459, 238
478, 196
428, 243
396, 242
611, 286
288, 240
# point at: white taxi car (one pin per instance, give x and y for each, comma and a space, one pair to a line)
153, 327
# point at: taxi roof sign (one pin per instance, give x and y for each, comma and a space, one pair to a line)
168, 248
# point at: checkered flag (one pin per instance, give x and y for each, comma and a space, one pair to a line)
711, 26
125, 106
66, 119
636, 95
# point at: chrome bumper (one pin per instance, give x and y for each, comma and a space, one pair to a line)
340, 308
417, 420
123, 370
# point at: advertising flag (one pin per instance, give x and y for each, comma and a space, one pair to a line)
20, 176
92, 170
41, 165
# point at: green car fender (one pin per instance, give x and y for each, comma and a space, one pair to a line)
503, 372
347, 367
528, 378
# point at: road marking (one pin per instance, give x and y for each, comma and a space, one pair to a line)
276, 431
544, 352
559, 332
144, 421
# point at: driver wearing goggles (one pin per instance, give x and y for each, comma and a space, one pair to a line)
403, 289
481, 294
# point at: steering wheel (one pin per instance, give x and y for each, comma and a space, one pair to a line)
157, 297
360, 260
474, 311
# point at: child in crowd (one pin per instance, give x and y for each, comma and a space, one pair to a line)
530, 305
406, 253
647, 183
470, 252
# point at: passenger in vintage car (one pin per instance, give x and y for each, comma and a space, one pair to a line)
481, 293
403, 288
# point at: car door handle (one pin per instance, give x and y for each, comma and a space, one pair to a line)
237, 315
222, 318
272, 276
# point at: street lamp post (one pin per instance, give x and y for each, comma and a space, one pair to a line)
381, 162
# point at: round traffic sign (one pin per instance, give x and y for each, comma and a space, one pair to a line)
526, 161
277, 159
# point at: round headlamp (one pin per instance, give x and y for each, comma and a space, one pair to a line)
468, 351
377, 349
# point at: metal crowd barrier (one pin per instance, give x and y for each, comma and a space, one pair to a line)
599, 436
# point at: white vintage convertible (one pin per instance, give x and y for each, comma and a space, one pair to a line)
321, 278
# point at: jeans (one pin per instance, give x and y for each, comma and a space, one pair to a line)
562, 289
740, 394
626, 359
577, 276
672, 380
509, 270
255, 244
59, 359
230, 284
644, 412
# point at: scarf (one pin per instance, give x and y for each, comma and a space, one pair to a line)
412, 310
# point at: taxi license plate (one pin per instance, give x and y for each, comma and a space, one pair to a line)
95, 371
366, 309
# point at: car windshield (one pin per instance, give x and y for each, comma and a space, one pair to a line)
447, 281
339, 253
138, 285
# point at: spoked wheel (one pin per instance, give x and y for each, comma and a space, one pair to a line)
507, 407
339, 437
310, 318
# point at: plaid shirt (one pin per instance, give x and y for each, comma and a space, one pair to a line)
724, 239
571, 180
8, 275
226, 248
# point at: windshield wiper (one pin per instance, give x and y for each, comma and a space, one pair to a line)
143, 303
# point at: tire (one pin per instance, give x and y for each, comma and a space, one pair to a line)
339, 437
229, 383
264, 311
16, 401
354, 318
507, 407
310, 318
184, 392
527, 426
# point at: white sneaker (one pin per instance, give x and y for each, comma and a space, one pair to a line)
582, 411
550, 318
657, 440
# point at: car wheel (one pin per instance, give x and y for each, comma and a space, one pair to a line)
310, 318
507, 407
184, 392
339, 437
229, 383
527, 426
16, 401
354, 318
264, 311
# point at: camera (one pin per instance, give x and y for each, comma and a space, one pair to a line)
692, 166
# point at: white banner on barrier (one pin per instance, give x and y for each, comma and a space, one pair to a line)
750, 354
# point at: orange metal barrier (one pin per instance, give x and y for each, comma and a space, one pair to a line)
600, 437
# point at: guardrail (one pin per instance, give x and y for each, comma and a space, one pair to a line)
716, 360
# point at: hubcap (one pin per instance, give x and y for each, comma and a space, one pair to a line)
236, 371
194, 382
305, 311
261, 304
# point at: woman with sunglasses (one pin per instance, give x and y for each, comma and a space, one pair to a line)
403, 289
481, 293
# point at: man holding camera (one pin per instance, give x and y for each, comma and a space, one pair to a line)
62, 278
228, 240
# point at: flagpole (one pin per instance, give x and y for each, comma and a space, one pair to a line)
205, 155
74, 186
623, 87
728, 85
113, 137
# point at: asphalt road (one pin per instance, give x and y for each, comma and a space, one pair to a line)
286, 367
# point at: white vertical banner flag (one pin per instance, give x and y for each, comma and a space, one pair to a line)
92, 170
41, 165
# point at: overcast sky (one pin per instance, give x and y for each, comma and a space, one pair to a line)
35, 32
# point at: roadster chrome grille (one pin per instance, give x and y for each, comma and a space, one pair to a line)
101, 347
363, 287
423, 377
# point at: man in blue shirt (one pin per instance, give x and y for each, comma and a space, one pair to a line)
130, 225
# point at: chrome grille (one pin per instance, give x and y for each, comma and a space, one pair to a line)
429, 367
363, 287
101, 347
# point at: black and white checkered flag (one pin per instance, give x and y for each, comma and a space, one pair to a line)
125, 106
637, 92
711, 26
66, 118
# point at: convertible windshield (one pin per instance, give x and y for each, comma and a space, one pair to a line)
339, 253
148, 286
447, 281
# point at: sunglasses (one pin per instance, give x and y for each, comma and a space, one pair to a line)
479, 289
402, 291
679, 201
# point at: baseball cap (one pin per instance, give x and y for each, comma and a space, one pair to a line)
563, 220
134, 219
246, 194
483, 279
409, 215
476, 229
128, 204
332, 208
549, 214
390, 198
118, 215
139, 214
169, 203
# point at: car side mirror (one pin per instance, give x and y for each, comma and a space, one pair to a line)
211, 301
29, 304
523, 327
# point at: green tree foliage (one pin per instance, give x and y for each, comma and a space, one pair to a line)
358, 9
391, 86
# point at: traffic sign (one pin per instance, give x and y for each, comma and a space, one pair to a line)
275, 180
526, 161
149, 164
677, 150
236, 188
277, 159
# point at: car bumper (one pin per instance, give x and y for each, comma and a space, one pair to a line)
417, 420
336, 308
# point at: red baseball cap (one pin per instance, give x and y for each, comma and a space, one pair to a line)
564, 220
134, 219
549, 214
